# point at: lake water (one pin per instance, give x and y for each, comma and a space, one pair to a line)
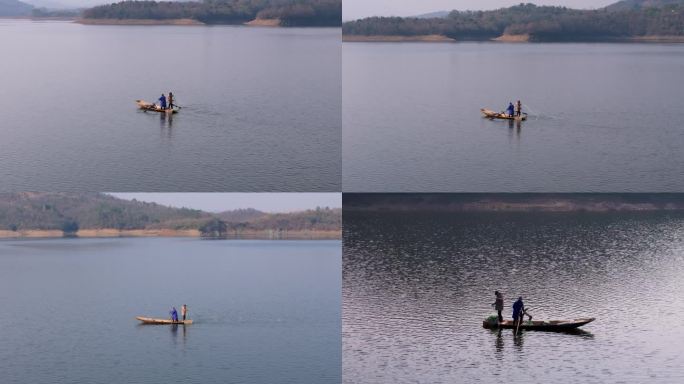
263, 311
260, 110
603, 117
416, 287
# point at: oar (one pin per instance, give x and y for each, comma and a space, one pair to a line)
520, 320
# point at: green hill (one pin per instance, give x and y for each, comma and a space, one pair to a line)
286, 12
14, 8
625, 20
70, 212
626, 5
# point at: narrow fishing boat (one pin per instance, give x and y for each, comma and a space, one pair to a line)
146, 106
551, 325
488, 113
149, 320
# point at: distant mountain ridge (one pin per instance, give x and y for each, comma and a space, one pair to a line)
524, 202
625, 5
14, 8
436, 14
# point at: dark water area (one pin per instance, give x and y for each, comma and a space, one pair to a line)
260, 108
602, 117
416, 287
263, 311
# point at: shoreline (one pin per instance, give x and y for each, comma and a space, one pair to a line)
271, 23
396, 39
257, 23
501, 39
513, 39
483, 208
137, 22
516, 203
179, 233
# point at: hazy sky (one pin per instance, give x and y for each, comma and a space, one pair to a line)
356, 9
217, 202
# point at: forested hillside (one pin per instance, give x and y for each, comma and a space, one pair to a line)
541, 23
14, 8
72, 212
641, 4
288, 12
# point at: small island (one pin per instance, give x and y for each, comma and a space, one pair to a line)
50, 215
626, 20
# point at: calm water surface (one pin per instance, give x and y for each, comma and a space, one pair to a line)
603, 117
416, 288
261, 108
264, 312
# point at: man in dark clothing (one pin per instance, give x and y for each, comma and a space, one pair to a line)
518, 310
162, 101
510, 109
499, 305
174, 314
170, 100
518, 108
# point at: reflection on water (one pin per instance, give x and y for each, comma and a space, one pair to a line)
417, 286
412, 121
262, 106
503, 337
263, 311
166, 121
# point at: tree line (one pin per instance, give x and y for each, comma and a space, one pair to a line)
289, 12
541, 23
320, 219
70, 212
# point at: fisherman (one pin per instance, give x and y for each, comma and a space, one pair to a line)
510, 110
170, 100
499, 305
518, 311
162, 101
518, 108
184, 308
174, 314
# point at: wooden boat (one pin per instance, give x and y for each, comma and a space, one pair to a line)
145, 106
551, 325
488, 113
149, 320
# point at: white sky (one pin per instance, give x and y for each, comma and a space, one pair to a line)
218, 202
357, 9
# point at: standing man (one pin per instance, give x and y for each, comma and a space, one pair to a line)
518, 311
499, 305
174, 315
171, 106
184, 308
510, 109
518, 108
162, 101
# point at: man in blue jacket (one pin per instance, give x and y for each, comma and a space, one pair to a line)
510, 110
518, 311
162, 101
174, 314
